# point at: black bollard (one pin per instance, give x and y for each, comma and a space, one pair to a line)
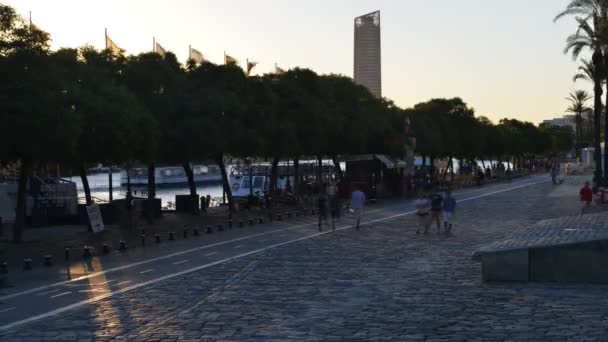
27, 264
251, 222
123, 245
209, 230
143, 239
288, 214
241, 224
157, 238
312, 211
297, 214
260, 220
67, 253
105, 248
171, 236
4, 267
220, 227
196, 231
48, 260
229, 224
279, 217
185, 233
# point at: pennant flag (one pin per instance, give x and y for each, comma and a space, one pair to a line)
250, 66
278, 70
230, 60
197, 56
110, 45
160, 50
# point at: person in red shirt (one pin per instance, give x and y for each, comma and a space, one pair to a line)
586, 194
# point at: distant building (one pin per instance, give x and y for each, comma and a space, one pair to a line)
566, 120
368, 64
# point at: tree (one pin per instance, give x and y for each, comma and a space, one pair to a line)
590, 34
578, 107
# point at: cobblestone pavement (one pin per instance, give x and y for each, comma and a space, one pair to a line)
382, 283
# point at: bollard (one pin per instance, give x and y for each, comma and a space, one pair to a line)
279, 217
105, 248
312, 211
251, 222
27, 264
229, 224
143, 239
240, 224
48, 260
185, 233
220, 228
296, 214
86, 252
260, 220
209, 230
288, 214
67, 253
171, 236
196, 231
123, 245
4, 267
157, 238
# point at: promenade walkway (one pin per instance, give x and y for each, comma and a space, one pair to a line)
288, 282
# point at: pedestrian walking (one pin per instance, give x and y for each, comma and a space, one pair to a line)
449, 207
322, 207
357, 204
554, 174
436, 208
586, 195
423, 207
334, 204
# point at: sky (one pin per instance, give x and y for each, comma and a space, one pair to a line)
504, 58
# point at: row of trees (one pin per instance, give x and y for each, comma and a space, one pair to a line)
75, 107
448, 128
591, 35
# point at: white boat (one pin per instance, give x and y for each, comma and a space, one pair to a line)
172, 175
261, 172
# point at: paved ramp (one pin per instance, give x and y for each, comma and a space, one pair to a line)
568, 249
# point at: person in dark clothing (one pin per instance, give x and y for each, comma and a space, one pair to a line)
436, 208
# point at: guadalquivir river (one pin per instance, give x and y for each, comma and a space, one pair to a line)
99, 184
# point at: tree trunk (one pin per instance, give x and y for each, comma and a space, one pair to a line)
190, 175
296, 175
151, 181
320, 170
338, 167
85, 183
274, 175
597, 90
225, 182
20, 211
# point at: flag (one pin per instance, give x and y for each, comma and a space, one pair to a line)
197, 56
110, 45
160, 50
230, 60
278, 70
250, 66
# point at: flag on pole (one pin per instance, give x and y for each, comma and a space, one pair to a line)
250, 66
278, 70
230, 60
160, 50
110, 45
197, 56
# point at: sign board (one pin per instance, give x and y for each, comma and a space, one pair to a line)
95, 218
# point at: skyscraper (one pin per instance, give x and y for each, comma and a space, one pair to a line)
368, 64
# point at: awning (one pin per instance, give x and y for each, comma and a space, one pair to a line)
389, 162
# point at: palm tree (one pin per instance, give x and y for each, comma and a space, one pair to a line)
589, 15
578, 100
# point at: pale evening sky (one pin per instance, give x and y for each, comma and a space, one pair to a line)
504, 58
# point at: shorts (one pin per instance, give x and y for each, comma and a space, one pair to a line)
447, 216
